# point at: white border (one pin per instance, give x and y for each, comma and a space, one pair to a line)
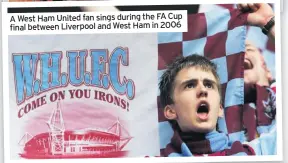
126, 3
6, 96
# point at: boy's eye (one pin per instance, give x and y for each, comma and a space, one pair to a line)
190, 85
208, 85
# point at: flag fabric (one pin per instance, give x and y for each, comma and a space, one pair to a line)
267, 48
219, 36
254, 34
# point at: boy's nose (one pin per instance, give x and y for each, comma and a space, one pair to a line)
202, 92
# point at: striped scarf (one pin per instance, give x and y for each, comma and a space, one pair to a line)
196, 144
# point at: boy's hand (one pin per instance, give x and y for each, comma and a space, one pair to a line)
260, 13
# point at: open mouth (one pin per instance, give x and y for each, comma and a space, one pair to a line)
247, 64
203, 110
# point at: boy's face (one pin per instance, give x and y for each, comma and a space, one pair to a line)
255, 69
196, 101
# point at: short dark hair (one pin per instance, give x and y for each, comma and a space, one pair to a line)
167, 85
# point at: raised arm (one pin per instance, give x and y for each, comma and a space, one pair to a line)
260, 14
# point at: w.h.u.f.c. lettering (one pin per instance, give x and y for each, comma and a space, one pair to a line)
104, 72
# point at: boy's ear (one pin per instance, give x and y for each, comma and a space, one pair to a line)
221, 111
169, 112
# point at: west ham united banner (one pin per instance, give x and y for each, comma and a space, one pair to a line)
93, 95
96, 95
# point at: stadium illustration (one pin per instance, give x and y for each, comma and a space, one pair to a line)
84, 143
